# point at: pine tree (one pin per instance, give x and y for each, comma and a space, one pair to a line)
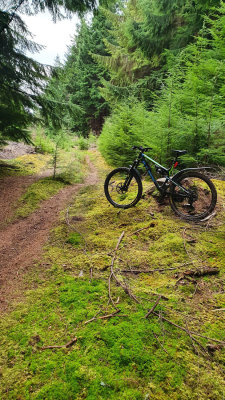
143, 32
86, 75
194, 103
77, 83
20, 78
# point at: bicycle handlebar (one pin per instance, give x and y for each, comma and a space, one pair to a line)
142, 149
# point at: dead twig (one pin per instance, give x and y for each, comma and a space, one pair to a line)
191, 332
113, 275
160, 343
153, 307
106, 317
196, 273
125, 288
161, 295
149, 271
109, 292
201, 272
65, 346
182, 277
196, 288
193, 341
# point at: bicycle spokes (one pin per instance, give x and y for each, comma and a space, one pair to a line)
192, 197
123, 188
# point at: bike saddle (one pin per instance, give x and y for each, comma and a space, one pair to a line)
179, 152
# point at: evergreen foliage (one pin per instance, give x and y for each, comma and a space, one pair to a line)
77, 83
57, 108
189, 112
129, 124
20, 78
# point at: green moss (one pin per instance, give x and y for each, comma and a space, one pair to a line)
27, 164
126, 357
75, 239
37, 192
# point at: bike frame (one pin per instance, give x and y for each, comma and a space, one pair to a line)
163, 188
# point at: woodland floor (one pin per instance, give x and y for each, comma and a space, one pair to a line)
70, 330
22, 239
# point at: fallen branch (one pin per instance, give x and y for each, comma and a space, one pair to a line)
193, 341
153, 307
202, 272
209, 217
149, 271
105, 317
160, 344
64, 346
188, 331
125, 288
198, 272
113, 275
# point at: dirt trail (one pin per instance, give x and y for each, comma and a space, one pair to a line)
11, 189
21, 242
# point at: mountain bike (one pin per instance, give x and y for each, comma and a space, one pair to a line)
192, 194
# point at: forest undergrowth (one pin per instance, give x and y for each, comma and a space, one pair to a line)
124, 304
70, 168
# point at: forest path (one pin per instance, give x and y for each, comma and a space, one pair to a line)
11, 189
21, 241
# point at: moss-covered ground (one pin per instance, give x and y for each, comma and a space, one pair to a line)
127, 356
27, 164
71, 168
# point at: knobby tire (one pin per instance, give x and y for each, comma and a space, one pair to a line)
204, 191
113, 188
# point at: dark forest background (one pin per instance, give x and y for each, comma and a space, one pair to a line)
138, 72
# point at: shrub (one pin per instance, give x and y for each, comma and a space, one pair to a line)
43, 144
83, 143
129, 125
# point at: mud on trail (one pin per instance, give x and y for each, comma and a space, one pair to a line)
21, 241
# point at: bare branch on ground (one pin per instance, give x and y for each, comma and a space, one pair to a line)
65, 346
153, 307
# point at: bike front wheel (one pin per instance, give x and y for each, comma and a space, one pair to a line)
193, 196
123, 188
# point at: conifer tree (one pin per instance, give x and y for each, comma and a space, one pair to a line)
77, 83
21, 78
143, 31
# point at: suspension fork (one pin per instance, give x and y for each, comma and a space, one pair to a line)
130, 176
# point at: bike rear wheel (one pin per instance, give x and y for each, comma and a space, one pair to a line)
195, 198
123, 188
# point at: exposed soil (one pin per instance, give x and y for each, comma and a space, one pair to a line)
11, 189
21, 242
14, 149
